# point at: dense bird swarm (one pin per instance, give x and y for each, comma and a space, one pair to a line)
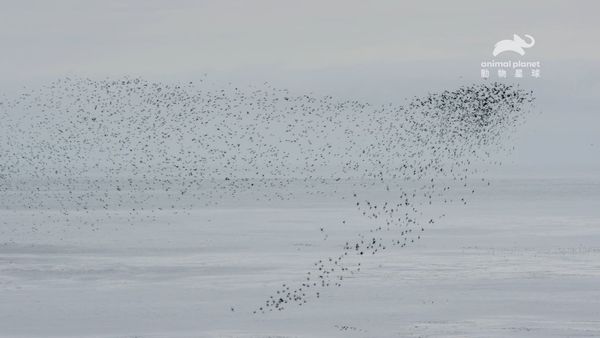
132, 144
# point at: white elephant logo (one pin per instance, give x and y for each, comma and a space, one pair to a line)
517, 45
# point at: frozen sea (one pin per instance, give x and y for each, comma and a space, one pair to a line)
521, 259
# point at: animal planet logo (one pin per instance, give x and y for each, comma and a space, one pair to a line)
518, 68
517, 45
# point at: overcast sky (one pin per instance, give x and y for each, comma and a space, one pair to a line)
378, 51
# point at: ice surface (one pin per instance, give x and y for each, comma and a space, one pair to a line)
520, 260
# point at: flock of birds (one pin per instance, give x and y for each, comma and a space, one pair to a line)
83, 145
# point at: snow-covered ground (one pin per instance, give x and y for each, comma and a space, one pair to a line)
522, 259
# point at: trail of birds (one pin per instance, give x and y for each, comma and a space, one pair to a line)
82, 145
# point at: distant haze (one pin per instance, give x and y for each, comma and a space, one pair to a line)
374, 51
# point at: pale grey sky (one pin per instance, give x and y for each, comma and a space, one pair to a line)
372, 50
